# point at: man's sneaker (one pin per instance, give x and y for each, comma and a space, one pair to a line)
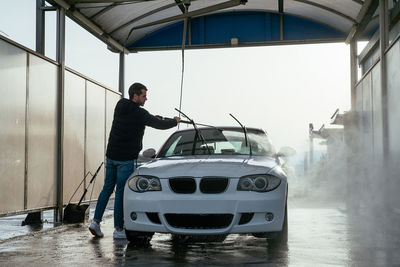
119, 234
94, 228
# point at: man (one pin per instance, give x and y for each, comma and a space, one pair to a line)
124, 145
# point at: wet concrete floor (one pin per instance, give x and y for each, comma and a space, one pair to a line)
318, 236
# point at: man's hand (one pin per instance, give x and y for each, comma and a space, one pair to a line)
177, 119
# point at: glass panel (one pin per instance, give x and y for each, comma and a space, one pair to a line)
74, 135
366, 116
12, 130
42, 138
393, 92
95, 128
111, 101
377, 111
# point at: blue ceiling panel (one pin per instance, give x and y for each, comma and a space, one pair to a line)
248, 27
296, 28
168, 36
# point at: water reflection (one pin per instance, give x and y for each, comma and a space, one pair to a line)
96, 247
317, 237
375, 237
235, 250
34, 227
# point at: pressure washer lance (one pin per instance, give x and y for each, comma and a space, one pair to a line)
184, 121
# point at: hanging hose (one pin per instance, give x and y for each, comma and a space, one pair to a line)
183, 59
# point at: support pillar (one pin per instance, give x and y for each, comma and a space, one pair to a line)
40, 27
383, 44
121, 84
350, 122
58, 215
280, 10
311, 144
305, 163
353, 73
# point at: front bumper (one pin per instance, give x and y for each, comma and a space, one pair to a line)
229, 206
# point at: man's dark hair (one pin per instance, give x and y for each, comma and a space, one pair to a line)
136, 88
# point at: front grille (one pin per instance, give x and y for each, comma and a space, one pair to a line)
213, 185
199, 221
183, 185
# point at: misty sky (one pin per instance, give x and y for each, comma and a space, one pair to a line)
280, 89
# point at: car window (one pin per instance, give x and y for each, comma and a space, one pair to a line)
172, 148
218, 142
224, 146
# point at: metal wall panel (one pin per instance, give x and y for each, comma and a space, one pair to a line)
74, 135
393, 91
377, 111
359, 98
358, 142
42, 139
12, 130
95, 133
392, 180
367, 117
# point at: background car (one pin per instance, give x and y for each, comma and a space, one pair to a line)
211, 181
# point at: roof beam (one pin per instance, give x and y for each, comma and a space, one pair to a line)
358, 2
243, 44
280, 6
90, 26
104, 10
180, 5
363, 18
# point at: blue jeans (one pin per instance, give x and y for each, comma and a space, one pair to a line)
117, 172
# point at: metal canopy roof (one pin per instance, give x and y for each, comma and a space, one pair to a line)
159, 24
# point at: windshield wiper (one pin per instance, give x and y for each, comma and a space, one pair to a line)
201, 124
244, 131
198, 133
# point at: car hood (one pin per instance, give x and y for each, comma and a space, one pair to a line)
199, 166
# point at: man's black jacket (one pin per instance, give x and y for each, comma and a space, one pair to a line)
125, 141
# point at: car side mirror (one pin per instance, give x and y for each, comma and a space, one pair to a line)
149, 153
286, 152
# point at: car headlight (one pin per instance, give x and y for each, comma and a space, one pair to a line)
259, 183
144, 183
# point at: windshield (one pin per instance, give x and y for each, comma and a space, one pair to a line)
219, 142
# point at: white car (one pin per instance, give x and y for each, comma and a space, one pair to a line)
211, 181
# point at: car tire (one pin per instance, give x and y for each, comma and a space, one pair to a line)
139, 238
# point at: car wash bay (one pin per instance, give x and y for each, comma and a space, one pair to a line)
359, 230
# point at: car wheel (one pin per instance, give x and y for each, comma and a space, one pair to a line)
139, 238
